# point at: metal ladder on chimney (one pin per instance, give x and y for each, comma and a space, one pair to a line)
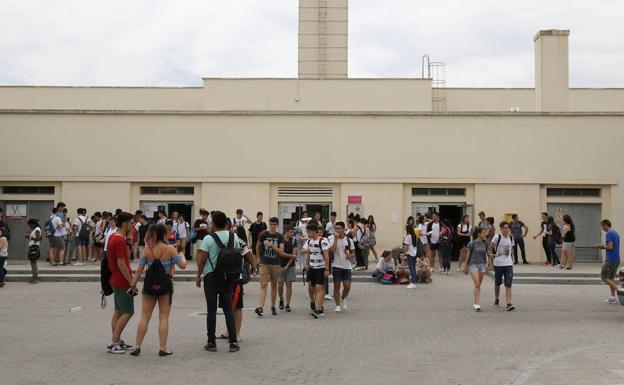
322, 39
437, 73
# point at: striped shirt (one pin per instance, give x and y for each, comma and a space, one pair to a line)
316, 247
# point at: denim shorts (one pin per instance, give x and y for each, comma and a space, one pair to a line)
341, 274
80, 241
477, 267
503, 272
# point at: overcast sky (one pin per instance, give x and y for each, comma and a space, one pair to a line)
484, 43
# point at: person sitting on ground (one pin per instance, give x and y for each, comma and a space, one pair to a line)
402, 271
423, 270
385, 265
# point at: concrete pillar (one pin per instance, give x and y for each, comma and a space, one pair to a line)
323, 35
551, 70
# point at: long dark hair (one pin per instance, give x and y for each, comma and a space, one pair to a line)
371, 221
410, 219
156, 232
409, 229
568, 221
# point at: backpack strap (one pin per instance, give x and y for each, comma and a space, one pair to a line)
217, 240
231, 240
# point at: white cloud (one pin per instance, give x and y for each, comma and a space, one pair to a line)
165, 43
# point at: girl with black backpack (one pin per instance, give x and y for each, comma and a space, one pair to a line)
160, 260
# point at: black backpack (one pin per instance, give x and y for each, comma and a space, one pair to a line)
85, 229
105, 276
499, 240
157, 282
229, 260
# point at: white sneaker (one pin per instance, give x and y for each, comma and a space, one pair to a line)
328, 297
411, 286
477, 307
343, 303
612, 300
337, 309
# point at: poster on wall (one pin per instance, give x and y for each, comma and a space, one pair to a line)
355, 209
16, 211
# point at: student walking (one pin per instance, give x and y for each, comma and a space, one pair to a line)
159, 258
446, 246
502, 248
476, 263
268, 245
554, 239
288, 274
518, 231
342, 251
612, 259
568, 235
462, 238
118, 261
34, 248
317, 266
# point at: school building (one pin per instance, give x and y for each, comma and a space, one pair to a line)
322, 141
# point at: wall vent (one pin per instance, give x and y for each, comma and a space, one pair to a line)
304, 192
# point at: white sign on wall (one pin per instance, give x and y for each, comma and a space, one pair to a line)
355, 209
16, 211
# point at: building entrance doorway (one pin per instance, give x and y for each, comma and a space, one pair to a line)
16, 218
290, 213
151, 208
452, 212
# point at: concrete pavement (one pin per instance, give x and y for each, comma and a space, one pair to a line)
389, 334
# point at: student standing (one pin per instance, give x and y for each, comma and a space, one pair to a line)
518, 231
612, 259
215, 287
330, 227
545, 238
410, 249
476, 263
372, 227
118, 261
257, 228
268, 245
502, 247
34, 245
342, 251
568, 235
317, 264
424, 236
433, 230
157, 254
4, 254
239, 222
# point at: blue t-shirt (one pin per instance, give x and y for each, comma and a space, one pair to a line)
613, 255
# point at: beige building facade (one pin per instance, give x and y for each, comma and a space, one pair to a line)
322, 142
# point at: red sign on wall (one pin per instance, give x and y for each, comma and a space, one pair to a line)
354, 200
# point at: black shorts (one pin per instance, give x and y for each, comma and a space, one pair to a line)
316, 276
434, 246
237, 297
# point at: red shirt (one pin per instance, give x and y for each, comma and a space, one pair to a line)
118, 249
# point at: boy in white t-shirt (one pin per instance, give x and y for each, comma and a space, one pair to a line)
316, 249
502, 252
342, 250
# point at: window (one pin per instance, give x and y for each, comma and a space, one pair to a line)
437, 191
573, 192
28, 189
167, 190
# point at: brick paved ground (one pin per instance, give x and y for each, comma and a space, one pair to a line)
429, 335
